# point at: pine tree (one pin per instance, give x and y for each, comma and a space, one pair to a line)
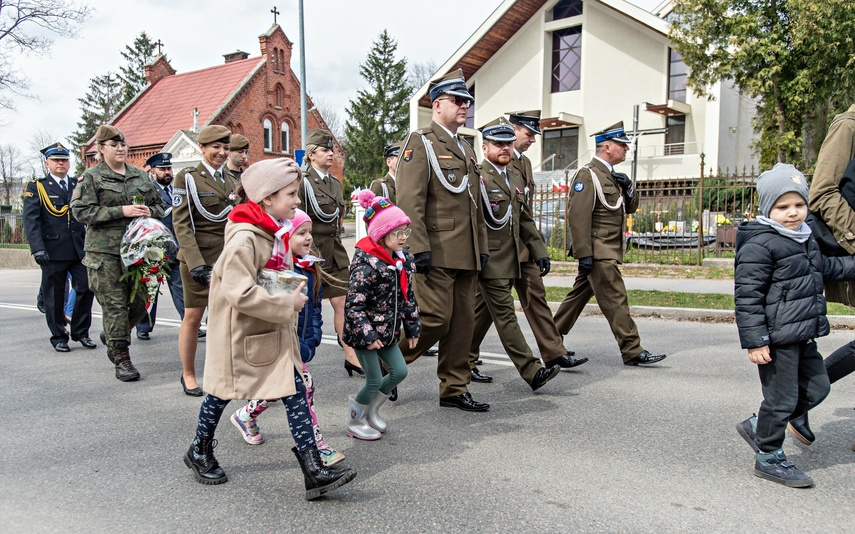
132, 74
379, 115
97, 107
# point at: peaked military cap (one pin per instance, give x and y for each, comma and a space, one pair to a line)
214, 134
529, 119
108, 132
320, 138
452, 84
392, 151
239, 142
499, 130
615, 132
55, 151
161, 159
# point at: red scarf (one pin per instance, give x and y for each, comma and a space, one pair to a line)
254, 214
367, 245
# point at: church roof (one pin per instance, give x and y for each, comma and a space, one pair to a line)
167, 106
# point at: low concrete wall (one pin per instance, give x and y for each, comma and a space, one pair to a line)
17, 258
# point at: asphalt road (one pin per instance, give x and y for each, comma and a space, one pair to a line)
605, 448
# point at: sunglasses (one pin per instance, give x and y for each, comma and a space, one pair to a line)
458, 101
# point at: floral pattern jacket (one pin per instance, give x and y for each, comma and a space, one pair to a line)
375, 307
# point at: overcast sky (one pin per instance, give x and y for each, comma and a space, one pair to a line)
196, 34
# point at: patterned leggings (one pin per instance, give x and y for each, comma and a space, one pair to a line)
299, 420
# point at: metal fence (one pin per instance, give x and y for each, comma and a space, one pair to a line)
678, 221
12, 230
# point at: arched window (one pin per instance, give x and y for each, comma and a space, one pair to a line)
286, 141
282, 61
275, 60
268, 135
280, 96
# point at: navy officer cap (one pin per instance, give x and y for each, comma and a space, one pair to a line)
452, 84
615, 132
499, 131
528, 119
55, 151
161, 159
392, 151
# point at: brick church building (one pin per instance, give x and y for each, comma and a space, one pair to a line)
257, 97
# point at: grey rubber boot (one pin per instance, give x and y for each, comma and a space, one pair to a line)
357, 427
373, 416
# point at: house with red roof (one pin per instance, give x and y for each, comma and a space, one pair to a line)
258, 97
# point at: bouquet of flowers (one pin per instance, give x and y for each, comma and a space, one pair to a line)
146, 248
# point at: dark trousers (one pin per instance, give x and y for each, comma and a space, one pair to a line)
176, 291
54, 278
841, 362
793, 382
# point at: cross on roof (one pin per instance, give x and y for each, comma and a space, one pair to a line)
158, 44
275, 12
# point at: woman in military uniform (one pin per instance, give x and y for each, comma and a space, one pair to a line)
108, 196
204, 196
322, 198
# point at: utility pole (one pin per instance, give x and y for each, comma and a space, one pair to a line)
636, 134
304, 115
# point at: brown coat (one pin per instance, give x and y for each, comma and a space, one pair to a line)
596, 230
449, 225
837, 150
520, 231
252, 349
326, 235
522, 165
376, 187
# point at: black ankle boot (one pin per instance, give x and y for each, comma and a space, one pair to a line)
125, 370
200, 458
320, 479
800, 429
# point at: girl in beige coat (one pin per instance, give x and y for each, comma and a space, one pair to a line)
252, 342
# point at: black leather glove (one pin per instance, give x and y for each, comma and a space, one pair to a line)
422, 260
586, 265
41, 257
544, 266
202, 275
624, 182
484, 258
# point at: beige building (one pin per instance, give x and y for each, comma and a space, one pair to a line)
587, 64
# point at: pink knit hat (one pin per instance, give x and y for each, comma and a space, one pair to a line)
381, 216
300, 217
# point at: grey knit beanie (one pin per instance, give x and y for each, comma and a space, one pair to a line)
780, 179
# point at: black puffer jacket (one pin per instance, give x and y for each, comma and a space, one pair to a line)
779, 286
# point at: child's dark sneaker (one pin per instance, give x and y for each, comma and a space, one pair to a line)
748, 429
774, 466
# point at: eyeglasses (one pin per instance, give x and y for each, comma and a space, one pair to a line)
116, 146
458, 101
402, 234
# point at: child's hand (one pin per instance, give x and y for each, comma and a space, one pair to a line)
376, 345
299, 298
412, 342
759, 355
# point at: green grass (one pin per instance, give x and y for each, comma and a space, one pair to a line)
14, 245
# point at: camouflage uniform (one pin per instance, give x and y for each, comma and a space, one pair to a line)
97, 202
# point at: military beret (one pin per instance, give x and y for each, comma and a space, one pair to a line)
108, 132
214, 133
528, 119
161, 159
55, 151
392, 151
239, 142
320, 138
615, 132
499, 131
452, 84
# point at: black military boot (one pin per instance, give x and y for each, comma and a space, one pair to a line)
320, 479
125, 370
200, 458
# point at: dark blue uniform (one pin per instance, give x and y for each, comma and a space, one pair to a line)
62, 237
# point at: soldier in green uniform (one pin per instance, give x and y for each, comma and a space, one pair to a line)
509, 228
108, 196
238, 156
203, 197
385, 187
322, 198
529, 285
438, 189
599, 201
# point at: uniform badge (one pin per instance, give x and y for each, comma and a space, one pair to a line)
408, 154
27, 194
451, 177
176, 199
578, 187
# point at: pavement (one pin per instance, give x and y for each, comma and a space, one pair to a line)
601, 448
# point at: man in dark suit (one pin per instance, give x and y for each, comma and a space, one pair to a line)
160, 171
56, 242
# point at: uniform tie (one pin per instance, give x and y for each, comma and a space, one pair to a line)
219, 176
169, 191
